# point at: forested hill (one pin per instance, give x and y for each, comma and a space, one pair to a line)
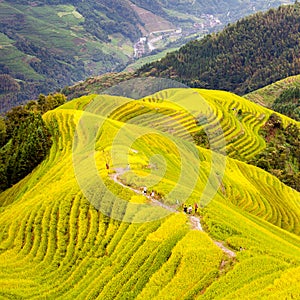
252, 53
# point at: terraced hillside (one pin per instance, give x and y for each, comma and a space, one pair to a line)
76, 226
268, 94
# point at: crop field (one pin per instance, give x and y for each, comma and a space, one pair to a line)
15, 59
62, 240
151, 21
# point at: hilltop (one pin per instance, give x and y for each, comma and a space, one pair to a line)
78, 225
51, 44
254, 52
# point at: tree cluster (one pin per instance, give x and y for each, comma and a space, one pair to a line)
282, 154
288, 103
24, 138
8, 84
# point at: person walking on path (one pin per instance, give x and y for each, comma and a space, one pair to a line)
196, 207
190, 209
185, 208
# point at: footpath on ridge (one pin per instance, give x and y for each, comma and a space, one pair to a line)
194, 221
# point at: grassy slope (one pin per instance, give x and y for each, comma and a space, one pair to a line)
54, 244
267, 95
58, 28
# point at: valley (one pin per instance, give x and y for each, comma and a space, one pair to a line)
160, 34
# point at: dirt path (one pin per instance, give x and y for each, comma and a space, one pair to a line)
194, 221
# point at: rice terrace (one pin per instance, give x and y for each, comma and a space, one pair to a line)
102, 217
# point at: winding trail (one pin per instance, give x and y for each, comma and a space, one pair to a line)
194, 221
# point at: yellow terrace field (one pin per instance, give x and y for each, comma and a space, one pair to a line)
79, 227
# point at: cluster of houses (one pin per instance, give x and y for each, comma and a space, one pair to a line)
209, 22
147, 44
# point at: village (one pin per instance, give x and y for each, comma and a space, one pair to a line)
160, 39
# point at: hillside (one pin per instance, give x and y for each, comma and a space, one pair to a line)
96, 84
46, 45
78, 226
254, 52
267, 95
282, 96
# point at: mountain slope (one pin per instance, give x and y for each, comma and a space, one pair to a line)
48, 46
54, 243
254, 52
51, 44
268, 94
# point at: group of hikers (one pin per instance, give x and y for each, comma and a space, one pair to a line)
189, 209
186, 209
152, 194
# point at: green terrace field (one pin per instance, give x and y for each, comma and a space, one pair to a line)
74, 228
15, 59
267, 95
45, 46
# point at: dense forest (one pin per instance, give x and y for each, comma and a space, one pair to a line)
24, 138
288, 103
250, 54
281, 157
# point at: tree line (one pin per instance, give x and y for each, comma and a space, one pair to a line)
24, 138
288, 103
281, 157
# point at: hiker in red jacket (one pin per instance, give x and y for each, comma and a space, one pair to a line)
196, 207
